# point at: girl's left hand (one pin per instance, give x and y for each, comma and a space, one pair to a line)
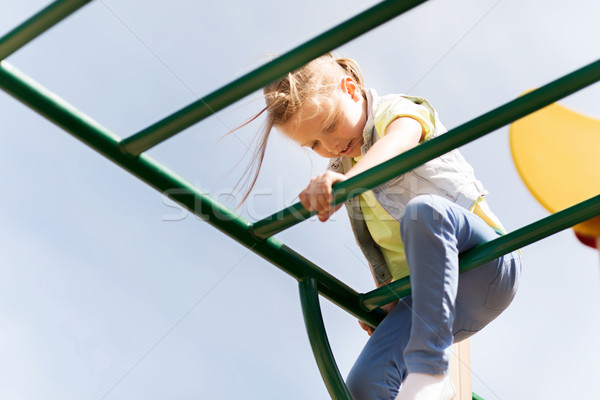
318, 194
366, 328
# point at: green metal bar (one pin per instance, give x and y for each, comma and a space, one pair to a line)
264, 75
456, 137
38, 24
162, 179
495, 248
315, 328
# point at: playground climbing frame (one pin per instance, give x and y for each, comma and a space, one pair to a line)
129, 153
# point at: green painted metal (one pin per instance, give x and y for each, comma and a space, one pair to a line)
262, 76
456, 137
313, 319
495, 248
38, 24
165, 181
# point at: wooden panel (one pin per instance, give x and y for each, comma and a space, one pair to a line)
460, 370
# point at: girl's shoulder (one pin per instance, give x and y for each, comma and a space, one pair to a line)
392, 106
403, 100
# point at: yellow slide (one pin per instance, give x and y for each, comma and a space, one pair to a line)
557, 154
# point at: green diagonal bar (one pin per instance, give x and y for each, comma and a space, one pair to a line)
162, 179
456, 137
495, 248
313, 319
38, 24
264, 75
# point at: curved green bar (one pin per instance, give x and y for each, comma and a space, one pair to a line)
454, 138
38, 24
264, 75
313, 319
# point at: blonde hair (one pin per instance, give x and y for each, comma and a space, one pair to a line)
315, 81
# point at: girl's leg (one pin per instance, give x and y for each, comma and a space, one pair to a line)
434, 232
380, 367
416, 336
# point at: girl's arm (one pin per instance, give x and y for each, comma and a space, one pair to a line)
401, 135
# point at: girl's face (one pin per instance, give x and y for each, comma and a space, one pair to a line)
310, 126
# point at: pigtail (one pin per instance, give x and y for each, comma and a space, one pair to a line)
250, 175
280, 104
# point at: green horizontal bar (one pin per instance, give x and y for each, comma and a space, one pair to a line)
262, 76
495, 248
38, 24
313, 319
162, 179
454, 138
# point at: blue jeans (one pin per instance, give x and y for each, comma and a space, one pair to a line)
443, 308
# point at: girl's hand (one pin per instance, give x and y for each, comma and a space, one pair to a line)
387, 308
366, 327
318, 194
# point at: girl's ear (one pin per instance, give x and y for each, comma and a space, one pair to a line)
350, 87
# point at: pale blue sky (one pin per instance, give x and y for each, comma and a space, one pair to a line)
109, 292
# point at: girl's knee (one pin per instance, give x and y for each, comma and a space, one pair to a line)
366, 383
374, 382
360, 383
424, 211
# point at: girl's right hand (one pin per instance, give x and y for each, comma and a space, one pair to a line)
318, 195
366, 327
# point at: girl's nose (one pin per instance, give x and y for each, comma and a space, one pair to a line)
330, 145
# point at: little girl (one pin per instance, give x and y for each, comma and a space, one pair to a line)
415, 224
